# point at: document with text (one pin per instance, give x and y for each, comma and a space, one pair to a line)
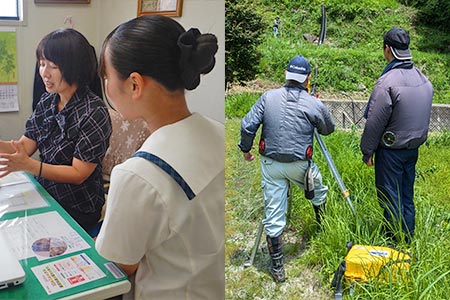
43, 236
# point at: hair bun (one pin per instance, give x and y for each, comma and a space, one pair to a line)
197, 56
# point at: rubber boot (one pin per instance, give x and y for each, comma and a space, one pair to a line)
276, 268
319, 211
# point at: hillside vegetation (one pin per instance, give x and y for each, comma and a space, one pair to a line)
351, 59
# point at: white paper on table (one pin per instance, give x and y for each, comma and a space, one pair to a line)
66, 273
23, 233
19, 197
13, 179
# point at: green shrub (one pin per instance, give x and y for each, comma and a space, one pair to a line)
432, 12
243, 28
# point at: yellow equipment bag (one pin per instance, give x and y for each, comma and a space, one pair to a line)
364, 263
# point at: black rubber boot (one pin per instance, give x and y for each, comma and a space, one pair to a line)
319, 211
276, 268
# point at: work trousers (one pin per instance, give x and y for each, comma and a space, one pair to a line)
275, 183
394, 178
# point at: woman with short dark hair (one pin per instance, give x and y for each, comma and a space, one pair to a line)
70, 127
72, 53
165, 216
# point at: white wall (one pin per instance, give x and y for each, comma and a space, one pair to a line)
208, 16
95, 21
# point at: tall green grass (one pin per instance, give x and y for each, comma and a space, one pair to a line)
312, 256
237, 105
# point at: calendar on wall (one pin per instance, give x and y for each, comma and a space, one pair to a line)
8, 98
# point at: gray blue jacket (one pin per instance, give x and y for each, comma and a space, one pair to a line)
288, 116
399, 110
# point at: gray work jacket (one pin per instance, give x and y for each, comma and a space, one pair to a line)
288, 116
399, 112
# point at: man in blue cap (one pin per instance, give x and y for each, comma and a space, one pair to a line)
398, 118
288, 115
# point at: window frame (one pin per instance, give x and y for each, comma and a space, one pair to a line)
21, 18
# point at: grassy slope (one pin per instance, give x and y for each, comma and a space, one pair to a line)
351, 58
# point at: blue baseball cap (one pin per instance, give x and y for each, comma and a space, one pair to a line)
298, 69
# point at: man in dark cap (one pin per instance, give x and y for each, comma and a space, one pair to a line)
288, 116
398, 118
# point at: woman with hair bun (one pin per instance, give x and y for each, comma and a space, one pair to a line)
164, 220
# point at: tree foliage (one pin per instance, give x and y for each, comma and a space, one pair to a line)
243, 30
432, 12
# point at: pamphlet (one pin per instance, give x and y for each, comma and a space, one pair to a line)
66, 273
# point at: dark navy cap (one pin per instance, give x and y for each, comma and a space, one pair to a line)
398, 40
298, 69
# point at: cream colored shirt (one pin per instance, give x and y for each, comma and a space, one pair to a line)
179, 243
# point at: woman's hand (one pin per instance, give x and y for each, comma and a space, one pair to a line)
17, 161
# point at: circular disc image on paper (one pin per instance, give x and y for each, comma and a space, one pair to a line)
49, 247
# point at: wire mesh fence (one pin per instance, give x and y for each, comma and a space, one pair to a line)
348, 114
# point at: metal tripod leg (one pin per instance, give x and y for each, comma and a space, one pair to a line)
249, 262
